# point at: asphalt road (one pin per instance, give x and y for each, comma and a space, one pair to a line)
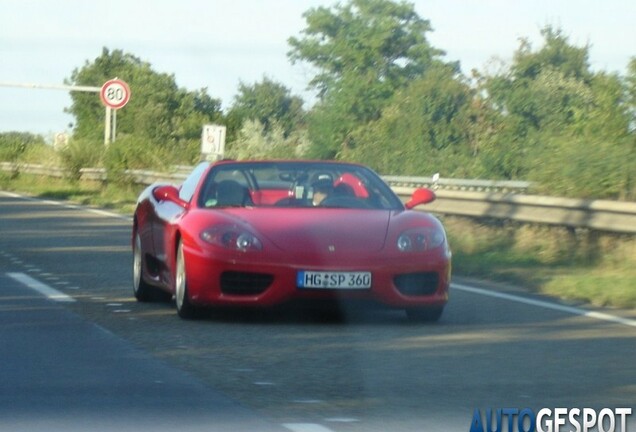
372, 370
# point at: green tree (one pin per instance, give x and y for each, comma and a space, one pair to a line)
255, 142
425, 129
363, 52
556, 53
558, 123
526, 90
594, 157
630, 90
159, 112
544, 92
269, 103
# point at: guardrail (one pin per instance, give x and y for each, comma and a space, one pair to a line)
459, 184
138, 176
470, 198
598, 215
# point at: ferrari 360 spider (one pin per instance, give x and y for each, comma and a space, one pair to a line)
264, 233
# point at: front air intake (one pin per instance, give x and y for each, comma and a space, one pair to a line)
417, 284
245, 283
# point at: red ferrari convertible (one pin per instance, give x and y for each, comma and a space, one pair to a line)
263, 233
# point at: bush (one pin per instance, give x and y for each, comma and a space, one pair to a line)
14, 144
80, 154
41, 153
128, 153
254, 142
583, 167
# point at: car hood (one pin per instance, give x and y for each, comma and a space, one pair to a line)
339, 231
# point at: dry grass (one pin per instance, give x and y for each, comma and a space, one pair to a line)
119, 198
574, 264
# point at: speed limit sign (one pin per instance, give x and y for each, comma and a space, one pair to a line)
115, 93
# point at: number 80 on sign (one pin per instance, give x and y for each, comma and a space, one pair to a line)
115, 93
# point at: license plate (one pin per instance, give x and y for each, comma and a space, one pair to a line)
334, 280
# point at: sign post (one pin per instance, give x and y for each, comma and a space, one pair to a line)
114, 94
213, 141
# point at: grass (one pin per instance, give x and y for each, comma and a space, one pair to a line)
598, 286
118, 198
578, 265
599, 269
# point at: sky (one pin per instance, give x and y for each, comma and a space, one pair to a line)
216, 44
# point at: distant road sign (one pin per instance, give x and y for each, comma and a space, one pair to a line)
213, 140
115, 93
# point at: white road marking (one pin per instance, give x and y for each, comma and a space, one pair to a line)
546, 305
36, 285
106, 213
342, 420
306, 427
68, 206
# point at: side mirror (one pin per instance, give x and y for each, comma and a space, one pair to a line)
420, 196
168, 193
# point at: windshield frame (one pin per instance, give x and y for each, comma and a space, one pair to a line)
285, 175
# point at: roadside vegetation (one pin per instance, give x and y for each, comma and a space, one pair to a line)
578, 265
384, 96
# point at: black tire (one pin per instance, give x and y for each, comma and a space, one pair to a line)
423, 315
185, 308
143, 291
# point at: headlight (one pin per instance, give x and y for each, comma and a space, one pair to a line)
420, 239
232, 237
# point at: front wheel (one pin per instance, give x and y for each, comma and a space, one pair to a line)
185, 309
430, 314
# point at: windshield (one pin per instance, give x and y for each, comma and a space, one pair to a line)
296, 185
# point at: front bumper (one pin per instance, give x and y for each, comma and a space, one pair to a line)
238, 279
